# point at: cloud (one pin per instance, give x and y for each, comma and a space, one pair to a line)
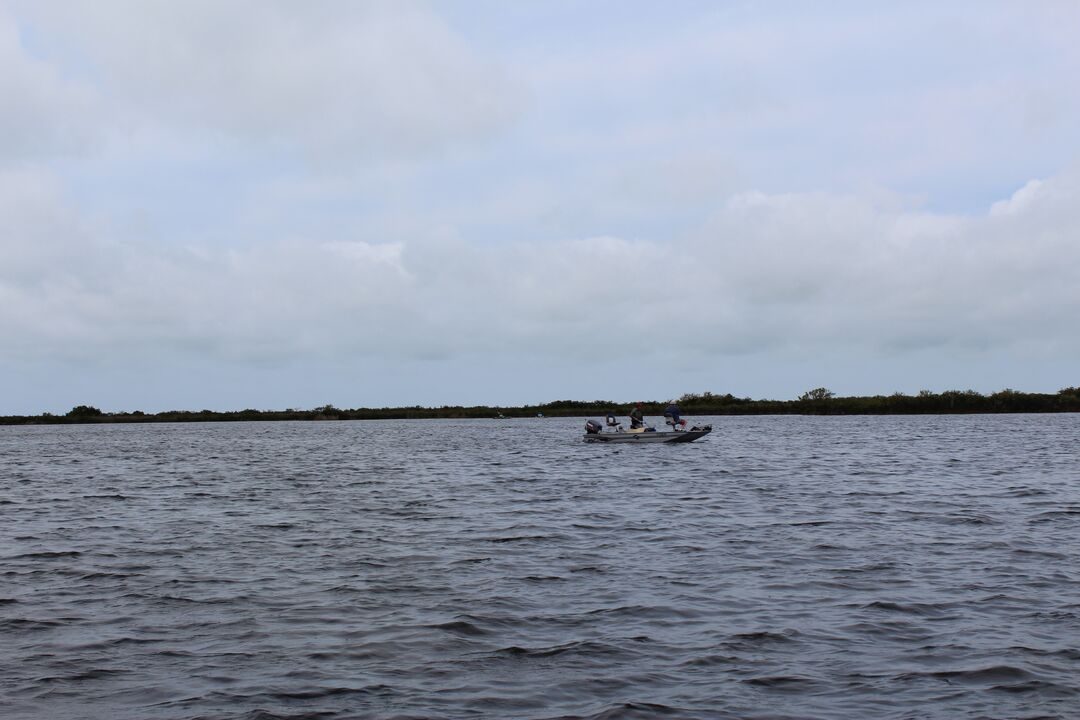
800, 272
71, 289
843, 270
263, 182
958, 100
340, 78
45, 113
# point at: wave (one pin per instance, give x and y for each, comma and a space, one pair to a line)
582, 648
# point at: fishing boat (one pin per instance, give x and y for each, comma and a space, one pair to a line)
614, 433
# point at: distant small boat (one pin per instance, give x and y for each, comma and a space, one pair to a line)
594, 432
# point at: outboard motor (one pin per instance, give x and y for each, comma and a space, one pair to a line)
592, 427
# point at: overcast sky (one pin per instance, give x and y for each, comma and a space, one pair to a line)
223, 205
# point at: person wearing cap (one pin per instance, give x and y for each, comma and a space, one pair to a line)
637, 418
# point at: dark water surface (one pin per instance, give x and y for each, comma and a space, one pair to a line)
783, 567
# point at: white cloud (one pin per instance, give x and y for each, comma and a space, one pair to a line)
805, 272
957, 100
336, 78
44, 113
1020, 199
551, 196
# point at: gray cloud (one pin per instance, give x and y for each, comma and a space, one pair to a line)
796, 271
260, 185
44, 113
342, 77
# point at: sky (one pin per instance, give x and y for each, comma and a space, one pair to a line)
269, 204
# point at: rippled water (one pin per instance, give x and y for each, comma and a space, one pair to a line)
783, 567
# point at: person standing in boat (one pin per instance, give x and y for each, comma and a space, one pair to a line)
637, 418
671, 412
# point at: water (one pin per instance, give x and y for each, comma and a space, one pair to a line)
783, 567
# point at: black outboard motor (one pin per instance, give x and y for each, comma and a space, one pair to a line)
592, 427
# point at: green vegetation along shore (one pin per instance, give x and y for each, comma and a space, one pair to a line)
819, 401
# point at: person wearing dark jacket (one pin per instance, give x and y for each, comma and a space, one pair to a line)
671, 412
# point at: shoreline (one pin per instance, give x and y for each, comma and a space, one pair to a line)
815, 402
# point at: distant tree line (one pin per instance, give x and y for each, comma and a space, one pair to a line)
819, 401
